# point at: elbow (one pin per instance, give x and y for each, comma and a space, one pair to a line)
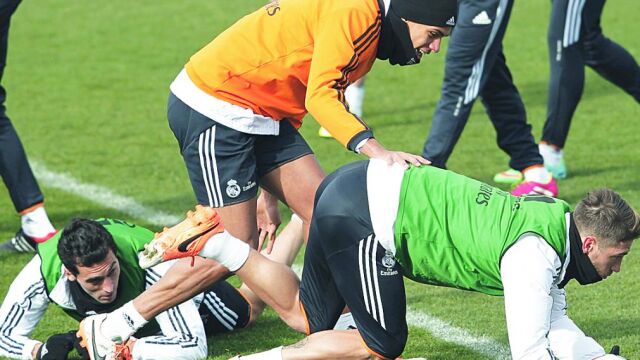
198, 352
202, 350
309, 104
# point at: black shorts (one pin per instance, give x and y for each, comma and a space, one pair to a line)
345, 265
224, 164
224, 309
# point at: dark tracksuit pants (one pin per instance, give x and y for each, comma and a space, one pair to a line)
14, 166
476, 66
575, 39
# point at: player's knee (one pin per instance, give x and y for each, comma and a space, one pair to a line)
296, 321
594, 55
390, 347
203, 351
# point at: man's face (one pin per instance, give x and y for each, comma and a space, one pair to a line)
99, 280
606, 259
426, 38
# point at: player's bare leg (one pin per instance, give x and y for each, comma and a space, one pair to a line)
186, 278
284, 251
295, 183
331, 344
276, 285
184, 281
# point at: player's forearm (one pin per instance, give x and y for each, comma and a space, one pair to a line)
372, 148
179, 284
18, 347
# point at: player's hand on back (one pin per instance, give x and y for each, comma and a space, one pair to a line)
57, 346
374, 150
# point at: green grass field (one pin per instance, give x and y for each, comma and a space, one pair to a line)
88, 82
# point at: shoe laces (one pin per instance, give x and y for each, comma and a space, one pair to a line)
123, 351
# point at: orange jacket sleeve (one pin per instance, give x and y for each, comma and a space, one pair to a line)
345, 45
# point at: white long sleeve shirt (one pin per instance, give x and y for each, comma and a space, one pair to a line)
182, 332
536, 309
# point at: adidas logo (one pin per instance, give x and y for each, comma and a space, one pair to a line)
452, 21
481, 19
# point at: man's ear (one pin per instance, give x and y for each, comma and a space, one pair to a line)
588, 243
69, 274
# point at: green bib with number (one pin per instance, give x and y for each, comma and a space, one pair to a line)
452, 231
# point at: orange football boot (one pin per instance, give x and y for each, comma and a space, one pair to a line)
185, 239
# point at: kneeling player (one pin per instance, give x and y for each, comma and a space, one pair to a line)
92, 267
372, 224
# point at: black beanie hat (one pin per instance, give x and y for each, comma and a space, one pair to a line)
427, 12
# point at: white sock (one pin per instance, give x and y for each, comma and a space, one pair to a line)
537, 174
226, 249
122, 322
552, 156
355, 97
345, 322
273, 354
36, 223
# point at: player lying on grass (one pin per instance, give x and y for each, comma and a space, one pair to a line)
92, 267
373, 224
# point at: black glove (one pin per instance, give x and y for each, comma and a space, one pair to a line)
615, 350
57, 347
82, 351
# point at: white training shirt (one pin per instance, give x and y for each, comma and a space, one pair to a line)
182, 337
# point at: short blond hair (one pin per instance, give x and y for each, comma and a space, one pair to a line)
605, 214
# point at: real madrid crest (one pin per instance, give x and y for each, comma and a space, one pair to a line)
233, 189
388, 261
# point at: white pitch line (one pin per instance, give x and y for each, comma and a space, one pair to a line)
107, 198
101, 196
449, 333
459, 336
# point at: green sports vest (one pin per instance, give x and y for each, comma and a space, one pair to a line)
451, 230
130, 240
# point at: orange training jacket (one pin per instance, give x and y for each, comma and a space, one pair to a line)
294, 56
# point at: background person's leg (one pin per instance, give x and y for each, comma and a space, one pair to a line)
472, 49
609, 59
14, 166
507, 113
566, 80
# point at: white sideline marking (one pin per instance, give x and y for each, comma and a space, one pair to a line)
449, 333
452, 334
101, 196
107, 198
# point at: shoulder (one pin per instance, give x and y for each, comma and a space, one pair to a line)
358, 13
533, 250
